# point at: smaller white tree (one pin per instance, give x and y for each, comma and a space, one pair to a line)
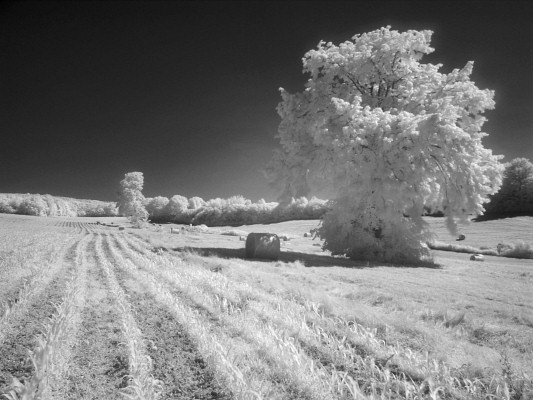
131, 199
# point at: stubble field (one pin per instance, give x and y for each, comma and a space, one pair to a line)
89, 311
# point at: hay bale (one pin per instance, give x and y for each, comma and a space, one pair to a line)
461, 237
262, 245
477, 257
242, 238
175, 230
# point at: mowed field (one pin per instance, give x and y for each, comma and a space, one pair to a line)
89, 311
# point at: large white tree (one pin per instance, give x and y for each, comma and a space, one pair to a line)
131, 200
387, 135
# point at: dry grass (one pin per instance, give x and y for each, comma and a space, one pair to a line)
312, 326
468, 315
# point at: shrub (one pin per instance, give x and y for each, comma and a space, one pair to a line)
518, 250
196, 202
6, 208
48, 205
176, 206
156, 207
33, 205
436, 245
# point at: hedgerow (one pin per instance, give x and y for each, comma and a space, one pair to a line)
54, 206
234, 211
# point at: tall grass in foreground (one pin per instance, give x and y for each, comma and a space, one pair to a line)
30, 288
27, 263
294, 335
142, 385
46, 357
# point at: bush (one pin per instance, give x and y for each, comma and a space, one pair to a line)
33, 205
518, 250
48, 205
436, 245
176, 206
6, 208
196, 202
234, 211
156, 207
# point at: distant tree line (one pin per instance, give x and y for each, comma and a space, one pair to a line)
233, 211
515, 197
53, 206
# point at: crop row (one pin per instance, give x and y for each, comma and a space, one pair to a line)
317, 355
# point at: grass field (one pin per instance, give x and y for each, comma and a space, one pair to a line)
89, 311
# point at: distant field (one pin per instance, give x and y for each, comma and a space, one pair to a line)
488, 233
184, 316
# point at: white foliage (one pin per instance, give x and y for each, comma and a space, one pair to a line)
177, 205
196, 202
156, 206
131, 200
388, 135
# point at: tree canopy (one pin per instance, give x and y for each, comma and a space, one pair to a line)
515, 196
130, 198
387, 135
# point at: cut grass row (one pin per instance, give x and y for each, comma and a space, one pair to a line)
238, 334
426, 373
177, 364
50, 356
17, 300
23, 256
98, 367
59, 305
286, 312
56, 357
142, 385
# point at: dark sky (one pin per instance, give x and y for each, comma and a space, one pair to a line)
186, 92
